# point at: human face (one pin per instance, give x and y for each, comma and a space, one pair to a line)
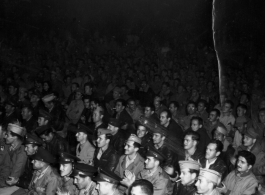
137, 190
172, 108
88, 90
21, 93
219, 136
148, 112
30, 149
132, 106
129, 148
188, 142
262, 117
191, 109
48, 105
73, 87
102, 141
87, 103
158, 138
195, 126
103, 188
25, 113
45, 86
201, 107
81, 182
248, 141
226, 108
9, 109
65, 169
78, 96
141, 131
81, 136
211, 152
113, 129
242, 164
149, 162
212, 116
119, 107
96, 116
42, 121
163, 118
9, 138
186, 177
37, 164
34, 99
93, 105
202, 186
46, 138
116, 95
240, 111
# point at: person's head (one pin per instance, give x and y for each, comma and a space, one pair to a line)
173, 106
149, 109
141, 187
46, 86
14, 134
74, 87
37, 164
66, 169
245, 161
165, 117
42, 121
10, 107
131, 105
207, 181
120, 105
47, 135
35, 97
158, 138
262, 115
244, 98
124, 89
214, 149
86, 100
157, 102
94, 103
88, 88
98, 114
31, 149
114, 125
189, 171
220, 133
250, 137
141, 131
12, 89
191, 140
196, 123
104, 138
214, 115
116, 93
132, 145
23, 92
27, 112
241, 110
202, 104
78, 95
191, 108
227, 106
81, 137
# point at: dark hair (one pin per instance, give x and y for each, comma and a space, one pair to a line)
219, 145
95, 100
169, 115
199, 119
166, 83
194, 135
243, 106
46, 132
204, 102
229, 102
108, 136
195, 171
131, 100
125, 86
250, 158
192, 102
136, 145
18, 136
122, 101
76, 84
87, 97
146, 186
175, 103
151, 106
218, 113
89, 84
30, 109
48, 83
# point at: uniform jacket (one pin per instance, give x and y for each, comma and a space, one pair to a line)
69, 186
236, 184
175, 130
57, 145
90, 191
87, 152
58, 117
10, 118
125, 117
25, 178
30, 125
118, 141
135, 167
4, 163
75, 110
108, 159
185, 190
45, 185
218, 166
146, 142
159, 179
171, 159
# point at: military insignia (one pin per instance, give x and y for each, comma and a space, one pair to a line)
2, 148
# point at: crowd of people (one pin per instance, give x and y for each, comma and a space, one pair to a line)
100, 117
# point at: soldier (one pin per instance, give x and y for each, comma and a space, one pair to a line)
11, 114
105, 155
45, 180
29, 121
4, 159
189, 171
83, 175
207, 181
146, 138
107, 183
44, 118
35, 102
66, 168
141, 187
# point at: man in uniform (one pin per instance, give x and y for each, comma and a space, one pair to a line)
45, 180
35, 102
66, 168
83, 175
105, 156
107, 183
207, 181
11, 114
29, 122
189, 171
44, 118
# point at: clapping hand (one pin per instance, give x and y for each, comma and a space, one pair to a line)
128, 179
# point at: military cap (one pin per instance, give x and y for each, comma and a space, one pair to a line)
250, 132
16, 129
102, 131
66, 158
153, 152
221, 129
44, 156
42, 129
115, 122
82, 128
189, 165
84, 170
33, 139
45, 114
11, 102
211, 175
48, 98
107, 176
134, 138
153, 126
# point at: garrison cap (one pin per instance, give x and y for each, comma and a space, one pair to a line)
250, 132
66, 158
107, 176
221, 129
115, 122
48, 98
153, 152
33, 139
84, 170
211, 175
82, 128
134, 138
102, 131
189, 165
45, 114
44, 156
42, 129
153, 126
16, 129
